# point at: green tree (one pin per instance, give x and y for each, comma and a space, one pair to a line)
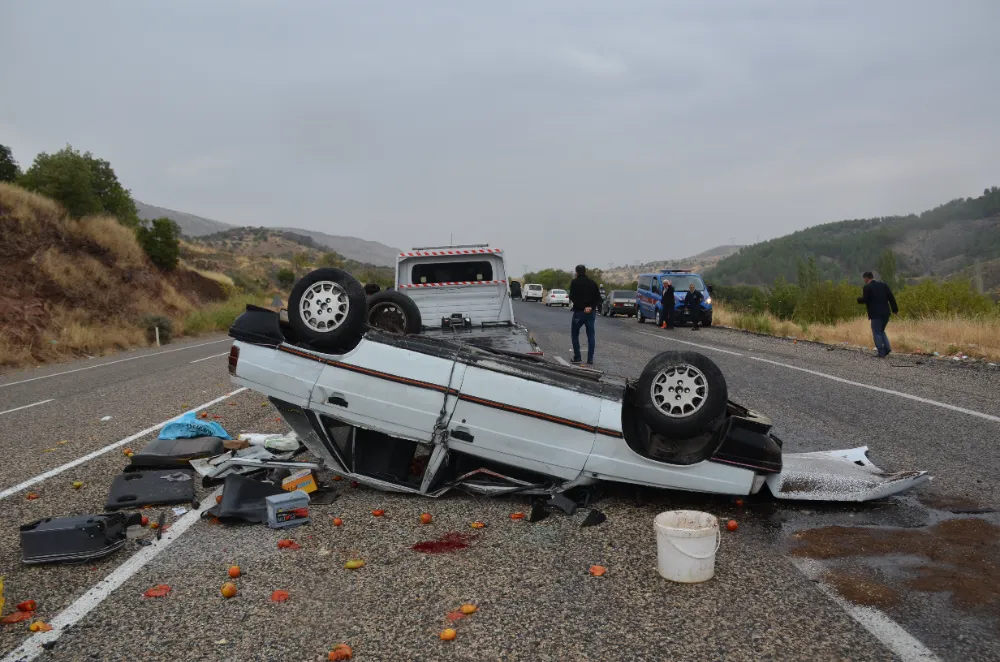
9, 170
301, 260
81, 183
161, 241
886, 267
331, 260
285, 277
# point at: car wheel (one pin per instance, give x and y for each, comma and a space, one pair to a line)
327, 308
681, 394
658, 320
639, 318
394, 312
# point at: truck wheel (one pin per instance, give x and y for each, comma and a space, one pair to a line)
327, 309
681, 394
394, 312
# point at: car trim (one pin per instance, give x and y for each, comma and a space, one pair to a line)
450, 391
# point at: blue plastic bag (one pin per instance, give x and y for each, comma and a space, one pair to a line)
189, 426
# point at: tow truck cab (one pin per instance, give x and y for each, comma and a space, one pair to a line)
463, 290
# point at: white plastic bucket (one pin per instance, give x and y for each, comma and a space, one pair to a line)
686, 543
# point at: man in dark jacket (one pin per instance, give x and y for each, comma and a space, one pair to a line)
669, 303
878, 299
692, 302
586, 297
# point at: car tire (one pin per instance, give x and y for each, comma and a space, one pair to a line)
696, 410
394, 312
328, 310
658, 320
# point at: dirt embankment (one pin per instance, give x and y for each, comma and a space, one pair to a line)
73, 287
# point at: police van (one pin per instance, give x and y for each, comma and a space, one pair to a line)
649, 298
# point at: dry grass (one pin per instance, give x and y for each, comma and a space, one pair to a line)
977, 338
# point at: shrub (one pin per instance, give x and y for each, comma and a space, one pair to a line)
285, 277
931, 298
152, 322
161, 241
783, 299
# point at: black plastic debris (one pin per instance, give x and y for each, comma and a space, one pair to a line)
159, 525
563, 503
169, 453
324, 496
593, 518
144, 542
68, 539
243, 499
150, 488
538, 512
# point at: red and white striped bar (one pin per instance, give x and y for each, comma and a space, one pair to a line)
457, 282
472, 251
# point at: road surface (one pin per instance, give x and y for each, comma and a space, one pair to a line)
530, 581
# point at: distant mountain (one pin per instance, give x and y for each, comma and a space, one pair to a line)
191, 225
700, 262
353, 248
959, 237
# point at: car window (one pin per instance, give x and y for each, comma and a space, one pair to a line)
623, 294
656, 286
451, 272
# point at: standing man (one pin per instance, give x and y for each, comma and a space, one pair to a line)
668, 302
878, 299
586, 297
692, 301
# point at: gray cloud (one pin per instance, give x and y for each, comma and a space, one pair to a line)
564, 131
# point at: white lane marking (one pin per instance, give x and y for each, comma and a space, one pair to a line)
916, 398
685, 342
562, 360
34, 404
214, 356
101, 451
32, 646
101, 365
883, 628
908, 396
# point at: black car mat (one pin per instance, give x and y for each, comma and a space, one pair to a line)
74, 539
243, 499
150, 488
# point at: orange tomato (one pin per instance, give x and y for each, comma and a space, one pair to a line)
378, 513
478, 525
598, 570
517, 516
448, 634
732, 525
234, 571
340, 652
337, 521
426, 518
468, 609
228, 590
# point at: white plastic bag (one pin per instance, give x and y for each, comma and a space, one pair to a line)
281, 443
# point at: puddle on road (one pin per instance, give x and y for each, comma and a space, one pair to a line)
863, 590
960, 556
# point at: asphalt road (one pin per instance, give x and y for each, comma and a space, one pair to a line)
530, 581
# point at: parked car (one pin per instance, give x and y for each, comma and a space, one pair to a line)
619, 302
424, 413
649, 299
533, 292
556, 298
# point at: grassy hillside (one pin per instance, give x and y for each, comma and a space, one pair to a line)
73, 287
950, 239
253, 259
699, 262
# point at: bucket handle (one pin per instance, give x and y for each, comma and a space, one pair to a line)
718, 543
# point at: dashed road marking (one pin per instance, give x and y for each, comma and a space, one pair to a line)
101, 451
213, 356
33, 404
101, 365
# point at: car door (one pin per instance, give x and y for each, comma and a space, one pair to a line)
389, 388
515, 420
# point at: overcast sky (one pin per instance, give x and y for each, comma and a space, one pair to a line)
563, 131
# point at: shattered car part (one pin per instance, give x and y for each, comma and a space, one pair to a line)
167, 453
244, 499
71, 539
150, 488
425, 414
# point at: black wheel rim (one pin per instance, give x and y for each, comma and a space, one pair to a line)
388, 317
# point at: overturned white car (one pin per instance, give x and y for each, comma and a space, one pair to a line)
427, 411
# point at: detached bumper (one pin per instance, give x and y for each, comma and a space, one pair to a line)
845, 475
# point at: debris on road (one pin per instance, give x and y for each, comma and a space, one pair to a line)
354, 564
338, 521
288, 543
15, 617
287, 510
234, 572
167, 453
273, 442
449, 542
378, 513
157, 591
598, 570
188, 426
304, 480
152, 487
32, 496
516, 516
426, 518
106, 418
340, 652
40, 626
448, 634
732, 525
243, 499
77, 484
80, 538
27, 605
228, 590
279, 596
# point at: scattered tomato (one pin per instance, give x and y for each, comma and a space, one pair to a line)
218, 499
15, 617
288, 543
154, 525
145, 521
39, 626
157, 591
468, 608
732, 525
279, 596
32, 496
27, 605
337, 521
228, 590
456, 615
378, 513
203, 414
340, 652
517, 516
448, 634
598, 570
235, 572
426, 518
127, 452
739, 502
478, 525
338, 478
354, 564
77, 484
